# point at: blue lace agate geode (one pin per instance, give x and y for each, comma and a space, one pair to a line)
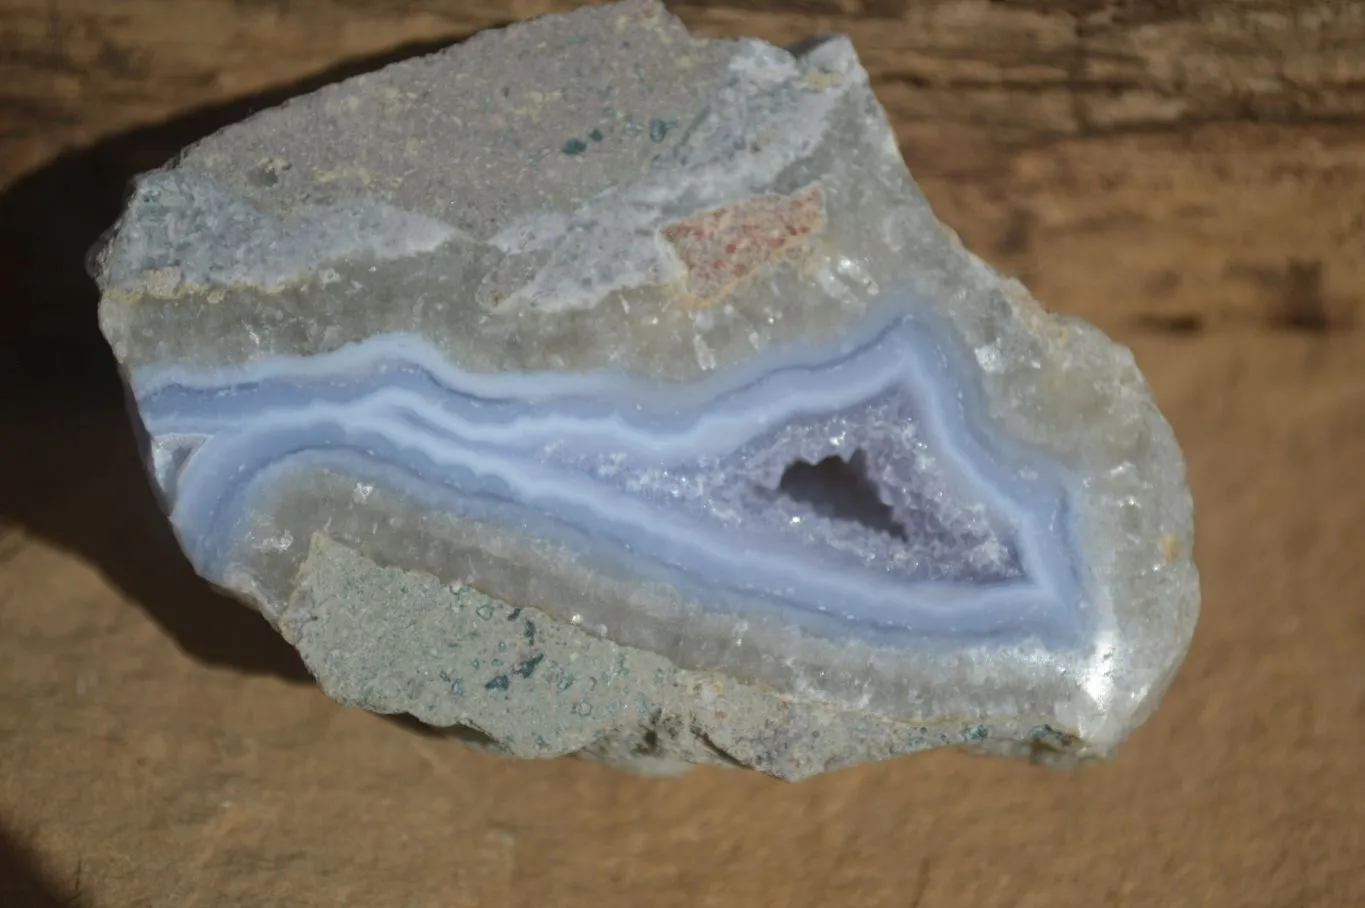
750, 460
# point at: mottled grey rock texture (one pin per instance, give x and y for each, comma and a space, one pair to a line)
592, 388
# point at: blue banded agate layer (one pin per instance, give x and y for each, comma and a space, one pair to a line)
850, 488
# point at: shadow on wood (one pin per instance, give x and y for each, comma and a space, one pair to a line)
25, 883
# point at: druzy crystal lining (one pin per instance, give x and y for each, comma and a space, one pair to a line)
840, 482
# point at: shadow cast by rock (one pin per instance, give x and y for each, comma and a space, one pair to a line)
70, 469
26, 883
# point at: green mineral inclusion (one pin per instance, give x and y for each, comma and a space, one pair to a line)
658, 129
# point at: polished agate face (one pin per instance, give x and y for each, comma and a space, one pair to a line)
841, 487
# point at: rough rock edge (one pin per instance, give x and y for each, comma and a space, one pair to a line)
518, 682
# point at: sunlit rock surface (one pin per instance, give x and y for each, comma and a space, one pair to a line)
591, 388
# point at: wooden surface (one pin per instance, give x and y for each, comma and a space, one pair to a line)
1188, 175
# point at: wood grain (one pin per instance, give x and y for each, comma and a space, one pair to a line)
1188, 175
